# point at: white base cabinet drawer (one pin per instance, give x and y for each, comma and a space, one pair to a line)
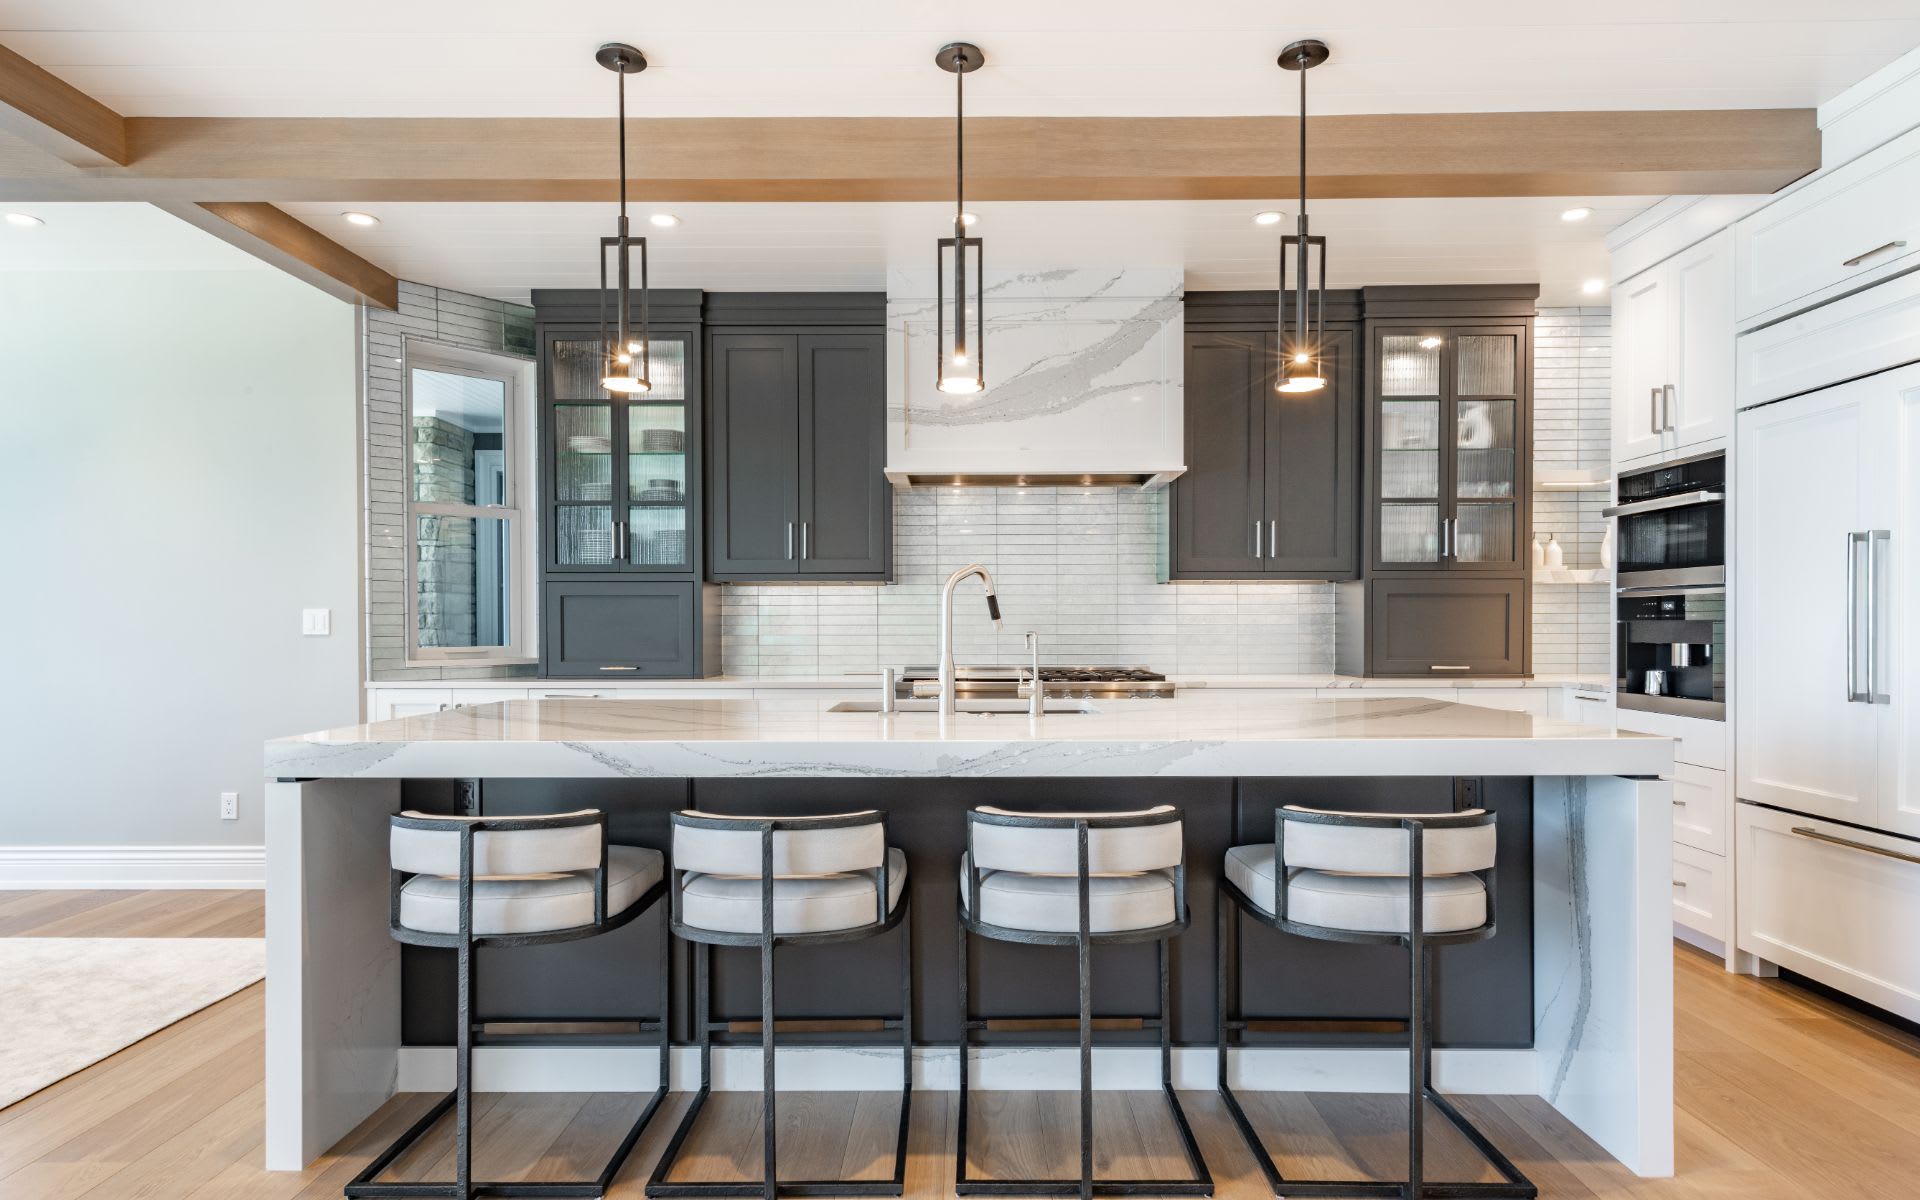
1698, 741
1835, 903
1527, 700
1700, 891
1700, 808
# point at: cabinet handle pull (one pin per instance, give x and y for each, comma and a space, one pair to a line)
1679, 883
1273, 539
1816, 835
1653, 410
619, 668
1875, 539
1857, 259
789, 541
1666, 409
1855, 695
803, 539
1440, 667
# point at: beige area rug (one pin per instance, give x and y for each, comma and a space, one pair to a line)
67, 1003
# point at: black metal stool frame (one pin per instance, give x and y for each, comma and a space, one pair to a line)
470, 1031
1420, 947
1083, 940
886, 917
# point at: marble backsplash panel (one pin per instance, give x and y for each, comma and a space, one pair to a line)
1077, 565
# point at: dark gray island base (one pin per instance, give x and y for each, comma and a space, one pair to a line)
1314, 993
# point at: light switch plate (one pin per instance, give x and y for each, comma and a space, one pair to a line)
316, 622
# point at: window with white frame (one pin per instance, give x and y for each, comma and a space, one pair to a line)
470, 561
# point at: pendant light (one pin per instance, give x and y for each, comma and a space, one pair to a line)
1301, 369
624, 343
962, 369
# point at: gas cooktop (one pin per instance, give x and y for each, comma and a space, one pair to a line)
1065, 682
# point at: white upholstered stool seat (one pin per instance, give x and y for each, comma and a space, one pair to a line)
1116, 903
1366, 902
534, 902
820, 903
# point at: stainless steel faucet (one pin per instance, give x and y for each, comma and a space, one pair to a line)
1037, 691
949, 699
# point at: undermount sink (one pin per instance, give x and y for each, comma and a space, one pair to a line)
979, 708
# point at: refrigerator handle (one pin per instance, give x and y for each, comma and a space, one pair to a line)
1876, 538
1854, 695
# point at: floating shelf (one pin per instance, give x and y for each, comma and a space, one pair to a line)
1572, 575
1576, 479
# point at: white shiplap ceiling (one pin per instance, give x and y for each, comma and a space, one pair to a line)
873, 57
503, 250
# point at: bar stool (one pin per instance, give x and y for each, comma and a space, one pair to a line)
785, 881
1080, 880
463, 883
1357, 877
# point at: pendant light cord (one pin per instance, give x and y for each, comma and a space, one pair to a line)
959, 143
623, 145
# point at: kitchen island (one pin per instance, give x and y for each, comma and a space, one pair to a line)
1571, 1001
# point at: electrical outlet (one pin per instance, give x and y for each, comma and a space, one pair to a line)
229, 806
316, 622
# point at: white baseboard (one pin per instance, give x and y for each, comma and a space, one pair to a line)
1700, 941
132, 867
936, 1068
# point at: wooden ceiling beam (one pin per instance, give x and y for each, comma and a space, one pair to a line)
902, 158
54, 115
296, 248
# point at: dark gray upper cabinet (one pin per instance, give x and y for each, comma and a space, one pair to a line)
798, 420
1272, 481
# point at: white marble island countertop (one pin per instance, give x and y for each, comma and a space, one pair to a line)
1212, 733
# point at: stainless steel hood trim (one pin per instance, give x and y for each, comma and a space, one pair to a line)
1683, 500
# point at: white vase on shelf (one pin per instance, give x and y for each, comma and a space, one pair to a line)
1539, 553
1606, 548
1556, 557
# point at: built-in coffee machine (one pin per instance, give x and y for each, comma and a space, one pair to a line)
1672, 652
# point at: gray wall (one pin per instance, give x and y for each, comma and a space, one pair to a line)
179, 484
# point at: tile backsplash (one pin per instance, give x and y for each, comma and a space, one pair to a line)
1077, 565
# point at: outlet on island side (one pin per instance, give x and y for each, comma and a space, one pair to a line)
229, 806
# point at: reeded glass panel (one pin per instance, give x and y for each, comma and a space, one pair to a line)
659, 536
457, 438
1409, 533
461, 585
576, 370
1484, 449
583, 451
657, 454
1410, 365
583, 535
1484, 533
1410, 449
1486, 365
667, 369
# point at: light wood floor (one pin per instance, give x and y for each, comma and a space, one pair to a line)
1782, 1095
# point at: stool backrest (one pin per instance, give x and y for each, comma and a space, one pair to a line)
1048, 843
713, 844
429, 843
1454, 843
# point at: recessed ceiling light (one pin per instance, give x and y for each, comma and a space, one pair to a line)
1576, 214
360, 218
24, 219
1267, 218
664, 220
1594, 287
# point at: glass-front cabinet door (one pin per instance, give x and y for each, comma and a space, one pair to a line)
1450, 435
1408, 463
619, 466
1485, 433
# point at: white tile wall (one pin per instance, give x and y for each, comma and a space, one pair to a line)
1076, 565
1572, 623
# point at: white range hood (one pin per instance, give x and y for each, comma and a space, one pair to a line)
1084, 380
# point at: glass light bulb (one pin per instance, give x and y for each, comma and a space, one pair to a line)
1300, 357
959, 360
959, 385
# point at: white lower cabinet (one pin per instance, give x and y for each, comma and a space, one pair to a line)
1587, 708
1537, 701
1700, 808
389, 704
1832, 902
465, 696
1700, 893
